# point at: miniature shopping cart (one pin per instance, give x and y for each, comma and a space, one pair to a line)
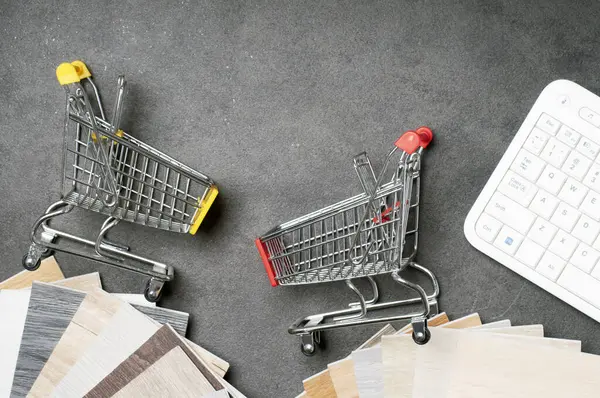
107, 171
370, 234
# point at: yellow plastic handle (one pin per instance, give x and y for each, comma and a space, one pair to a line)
66, 74
203, 207
81, 69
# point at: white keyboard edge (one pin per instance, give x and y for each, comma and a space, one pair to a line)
551, 93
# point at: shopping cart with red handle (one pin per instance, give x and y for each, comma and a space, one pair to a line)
366, 235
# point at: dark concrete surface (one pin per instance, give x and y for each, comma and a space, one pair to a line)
272, 99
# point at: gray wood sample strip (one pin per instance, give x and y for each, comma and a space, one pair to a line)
163, 341
177, 319
50, 311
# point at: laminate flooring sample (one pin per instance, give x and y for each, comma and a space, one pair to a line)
408, 366
369, 368
172, 375
134, 299
13, 310
319, 386
342, 372
94, 313
126, 331
548, 369
153, 350
177, 319
49, 271
50, 311
85, 283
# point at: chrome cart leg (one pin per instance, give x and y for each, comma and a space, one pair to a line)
362, 303
38, 249
311, 340
375, 297
421, 333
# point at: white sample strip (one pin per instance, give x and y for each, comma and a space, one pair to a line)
131, 298
13, 311
127, 330
527, 370
435, 360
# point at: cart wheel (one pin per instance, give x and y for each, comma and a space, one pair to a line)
422, 338
308, 349
153, 290
30, 263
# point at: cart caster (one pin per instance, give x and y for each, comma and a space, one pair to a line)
421, 333
31, 263
153, 290
309, 343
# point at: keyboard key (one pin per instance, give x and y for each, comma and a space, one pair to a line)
588, 147
568, 136
536, 141
551, 180
590, 116
544, 204
581, 284
586, 230
550, 266
511, 213
517, 188
563, 245
548, 124
591, 205
576, 165
528, 165
508, 240
585, 258
555, 152
487, 227
529, 253
565, 216
542, 232
592, 179
572, 192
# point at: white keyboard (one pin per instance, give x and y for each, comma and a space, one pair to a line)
539, 213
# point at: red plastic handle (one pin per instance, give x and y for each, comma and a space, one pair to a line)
262, 250
426, 135
409, 142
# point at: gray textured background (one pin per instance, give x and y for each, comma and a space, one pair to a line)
272, 99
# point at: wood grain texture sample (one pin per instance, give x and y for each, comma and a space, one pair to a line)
522, 330
407, 365
368, 372
437, 320
505, 323
172, 375
86, 282
342, 372
93, 315
126, 330
162, 342
50, 311
530, 367
13, 310
49, 271
131, 298
343, 379
177, 319
319, 386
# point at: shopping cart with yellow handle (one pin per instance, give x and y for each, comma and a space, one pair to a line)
107, 171
370, 234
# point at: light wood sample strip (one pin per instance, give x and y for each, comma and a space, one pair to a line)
396, 366
528, 369
13, 310
50, 311
342, 372
319, 386
172, 375
437, 320
49, 271
94, 313
122, 335
85, 283
505, 323
163, 341
407, 366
